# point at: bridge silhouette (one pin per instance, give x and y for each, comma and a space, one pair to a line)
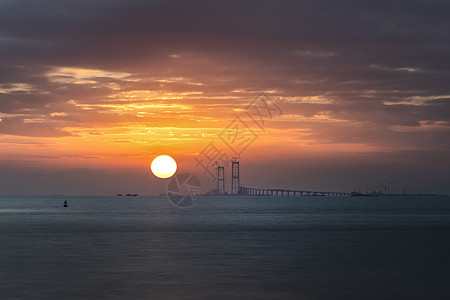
237, 189
247, 191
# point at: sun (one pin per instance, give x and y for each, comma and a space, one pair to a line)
164, 166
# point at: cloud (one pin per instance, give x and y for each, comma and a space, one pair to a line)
345, 51
18, 126
349, 72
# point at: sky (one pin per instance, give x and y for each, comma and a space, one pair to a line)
310, 95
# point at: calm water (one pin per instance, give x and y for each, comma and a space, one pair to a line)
225, 248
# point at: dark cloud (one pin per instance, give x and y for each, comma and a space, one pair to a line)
368, 72
17, 126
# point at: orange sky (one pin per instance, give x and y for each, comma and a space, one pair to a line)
127, 127
352, 101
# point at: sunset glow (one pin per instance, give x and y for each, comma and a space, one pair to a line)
112, 105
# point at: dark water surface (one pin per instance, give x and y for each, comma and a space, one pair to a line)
225, 248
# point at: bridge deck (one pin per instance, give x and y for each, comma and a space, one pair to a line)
285, 192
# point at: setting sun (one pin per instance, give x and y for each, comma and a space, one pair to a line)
164, 166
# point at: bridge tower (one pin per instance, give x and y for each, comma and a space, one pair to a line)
221, 179
234, 176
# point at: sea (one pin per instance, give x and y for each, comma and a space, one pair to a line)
225, 247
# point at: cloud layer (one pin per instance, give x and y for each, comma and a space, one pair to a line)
369, 76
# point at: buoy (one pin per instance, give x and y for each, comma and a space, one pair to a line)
65, 204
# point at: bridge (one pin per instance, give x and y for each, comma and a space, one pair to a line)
237, 189
247, 191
